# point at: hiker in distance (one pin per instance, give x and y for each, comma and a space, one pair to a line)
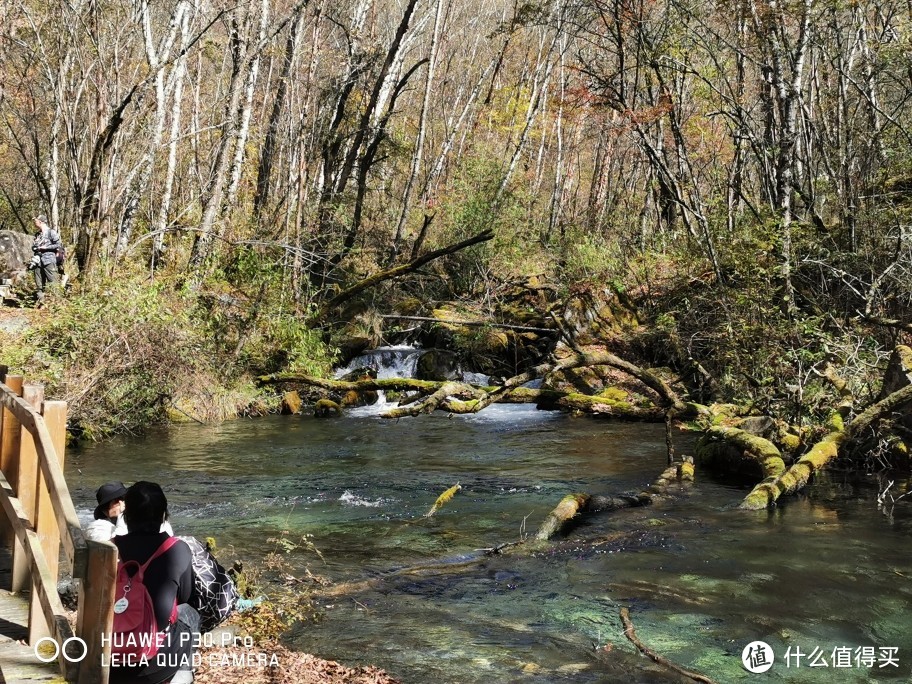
44, 260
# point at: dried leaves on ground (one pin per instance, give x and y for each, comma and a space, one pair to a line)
236, 665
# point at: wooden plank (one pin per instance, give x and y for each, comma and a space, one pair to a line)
44, 586
96, 612
74, 543
26, 485
9, 449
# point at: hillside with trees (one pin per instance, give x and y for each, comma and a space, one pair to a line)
245, 188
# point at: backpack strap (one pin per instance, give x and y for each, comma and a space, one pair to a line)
165, 545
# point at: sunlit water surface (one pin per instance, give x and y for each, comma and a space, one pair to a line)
701, 579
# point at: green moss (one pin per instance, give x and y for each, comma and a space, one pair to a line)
790, 442
614, 394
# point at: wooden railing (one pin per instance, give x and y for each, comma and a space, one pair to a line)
39, 518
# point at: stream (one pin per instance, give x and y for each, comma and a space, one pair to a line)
826, 571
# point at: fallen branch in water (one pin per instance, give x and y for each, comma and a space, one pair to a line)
630, 633
573, 504
443, 499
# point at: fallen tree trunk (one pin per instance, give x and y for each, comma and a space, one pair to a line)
758, 448
667, 395
462, 398
823, 452
573, 505
599, 405
366, 385
429, 403
566, 510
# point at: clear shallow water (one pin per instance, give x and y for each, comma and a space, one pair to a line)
701, 580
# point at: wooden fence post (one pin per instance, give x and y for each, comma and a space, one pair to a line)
9, 450
25, 483
96, 612
28, 493
54, 413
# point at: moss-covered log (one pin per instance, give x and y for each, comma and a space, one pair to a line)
430, 403
368, 384
563, 513
608, 406
462, 398
758, 448
573, 505
667, 396
767, 492
823, 452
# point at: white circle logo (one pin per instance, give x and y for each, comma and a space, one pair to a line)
757, 657
58, 649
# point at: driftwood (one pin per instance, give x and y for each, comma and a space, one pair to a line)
630, 633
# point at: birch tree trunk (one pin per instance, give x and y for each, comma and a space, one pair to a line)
178, 75
155, 57
202, 245
243, 130
417, 157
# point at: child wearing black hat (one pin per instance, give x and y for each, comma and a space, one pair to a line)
109, 513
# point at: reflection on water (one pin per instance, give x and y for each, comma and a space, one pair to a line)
701, 580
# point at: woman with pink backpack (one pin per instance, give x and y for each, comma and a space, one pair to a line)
154, 572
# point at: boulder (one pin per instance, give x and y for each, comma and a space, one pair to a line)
15, 254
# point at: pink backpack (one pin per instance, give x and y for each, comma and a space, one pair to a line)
135, 635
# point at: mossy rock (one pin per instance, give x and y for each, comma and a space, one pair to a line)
327, 407
291, 403
437, 365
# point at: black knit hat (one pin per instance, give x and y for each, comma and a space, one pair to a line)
108, 492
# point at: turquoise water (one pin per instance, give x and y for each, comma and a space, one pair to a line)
824, 571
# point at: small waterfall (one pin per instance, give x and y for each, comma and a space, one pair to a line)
398, 361
388, 362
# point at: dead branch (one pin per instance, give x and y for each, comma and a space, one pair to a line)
472, 324
630, 633
395, 272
